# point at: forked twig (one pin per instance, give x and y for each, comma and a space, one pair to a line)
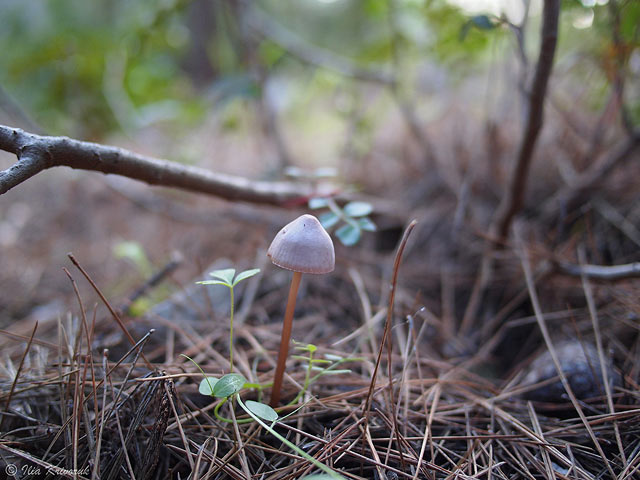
513, 199
37, 153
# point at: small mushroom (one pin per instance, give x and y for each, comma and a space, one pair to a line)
302, 246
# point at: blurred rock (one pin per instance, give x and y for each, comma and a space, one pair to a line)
581, 365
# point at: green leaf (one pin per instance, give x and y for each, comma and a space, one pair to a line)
320, 360
244, 275
261, 410
366, 224
348, 234
213, 282
315, 203
206, 386
270, 52
228, 385
307, 347
483, 22
225, 275
140, 307
318, 476
134, 252
328, 219
357, 209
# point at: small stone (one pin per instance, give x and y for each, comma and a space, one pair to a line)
580, 363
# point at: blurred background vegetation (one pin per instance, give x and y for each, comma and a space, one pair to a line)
90, 69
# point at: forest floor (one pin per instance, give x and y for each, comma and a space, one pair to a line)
460, 391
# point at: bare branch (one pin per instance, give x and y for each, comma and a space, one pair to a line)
312, 54
596, 173
406, 105
36, 153
513, 198
620, 58
16, 112
601, 272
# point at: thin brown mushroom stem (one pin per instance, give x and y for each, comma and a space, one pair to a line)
284, 340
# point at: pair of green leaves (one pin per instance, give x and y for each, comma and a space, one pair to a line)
231, 384
353, 214
226, 277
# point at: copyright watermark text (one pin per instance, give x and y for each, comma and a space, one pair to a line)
13, 470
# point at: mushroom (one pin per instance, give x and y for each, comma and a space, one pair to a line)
302, 246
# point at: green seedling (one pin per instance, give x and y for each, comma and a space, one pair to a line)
134, 253
226, 277
321, 366
353, 216
257, 415
228, 388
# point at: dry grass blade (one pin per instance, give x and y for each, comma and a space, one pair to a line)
115, 316
15, 380
387, 326
603, 368
547, 339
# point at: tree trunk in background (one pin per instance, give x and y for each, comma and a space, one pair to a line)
201, 19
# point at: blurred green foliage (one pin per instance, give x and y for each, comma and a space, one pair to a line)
71, 63
84, 68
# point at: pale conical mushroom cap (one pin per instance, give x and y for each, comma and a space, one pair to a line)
303, 246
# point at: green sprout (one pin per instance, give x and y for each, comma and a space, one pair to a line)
228, 388
226, 277
134, 253
321, 366
354, 216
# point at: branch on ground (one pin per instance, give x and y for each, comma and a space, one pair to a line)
601, 272
37, 153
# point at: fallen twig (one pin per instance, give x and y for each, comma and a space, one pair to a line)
601, 272
37, 153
